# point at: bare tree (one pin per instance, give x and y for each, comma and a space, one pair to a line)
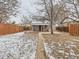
51, 9
25, 20
7, 8
59, 10
73, 8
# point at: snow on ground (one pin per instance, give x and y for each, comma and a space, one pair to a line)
68, 50
17, 46
48, 51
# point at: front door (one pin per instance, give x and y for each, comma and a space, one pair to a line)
39, 28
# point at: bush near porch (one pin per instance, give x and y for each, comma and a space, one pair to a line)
62, 28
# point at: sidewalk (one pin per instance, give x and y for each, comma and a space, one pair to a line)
40, 54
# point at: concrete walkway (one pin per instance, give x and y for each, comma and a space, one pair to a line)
40, 52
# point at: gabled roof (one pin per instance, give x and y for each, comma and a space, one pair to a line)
67, 21
40, 23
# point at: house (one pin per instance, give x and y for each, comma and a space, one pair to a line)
40, 26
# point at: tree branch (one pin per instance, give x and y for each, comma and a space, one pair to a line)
67, 18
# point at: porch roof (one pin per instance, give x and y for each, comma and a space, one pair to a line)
40, 23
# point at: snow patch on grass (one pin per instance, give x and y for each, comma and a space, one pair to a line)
17, 46
48, 51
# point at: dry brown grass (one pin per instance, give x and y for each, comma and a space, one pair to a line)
63, 42
59, 37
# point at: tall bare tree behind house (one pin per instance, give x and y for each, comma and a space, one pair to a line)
8, 8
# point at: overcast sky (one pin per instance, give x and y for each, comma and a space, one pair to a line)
27, 8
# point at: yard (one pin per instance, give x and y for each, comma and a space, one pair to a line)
17, 46
61, 46
27, 45
43, 29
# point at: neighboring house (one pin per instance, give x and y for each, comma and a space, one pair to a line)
69, 21
25, 24
40, 26
66, 22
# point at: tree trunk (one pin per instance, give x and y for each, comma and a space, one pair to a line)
51, 16
51, 27
0, 20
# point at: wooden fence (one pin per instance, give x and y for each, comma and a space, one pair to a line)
74, 29
9, 28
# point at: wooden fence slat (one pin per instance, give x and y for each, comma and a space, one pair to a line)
74, 29
9, 28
